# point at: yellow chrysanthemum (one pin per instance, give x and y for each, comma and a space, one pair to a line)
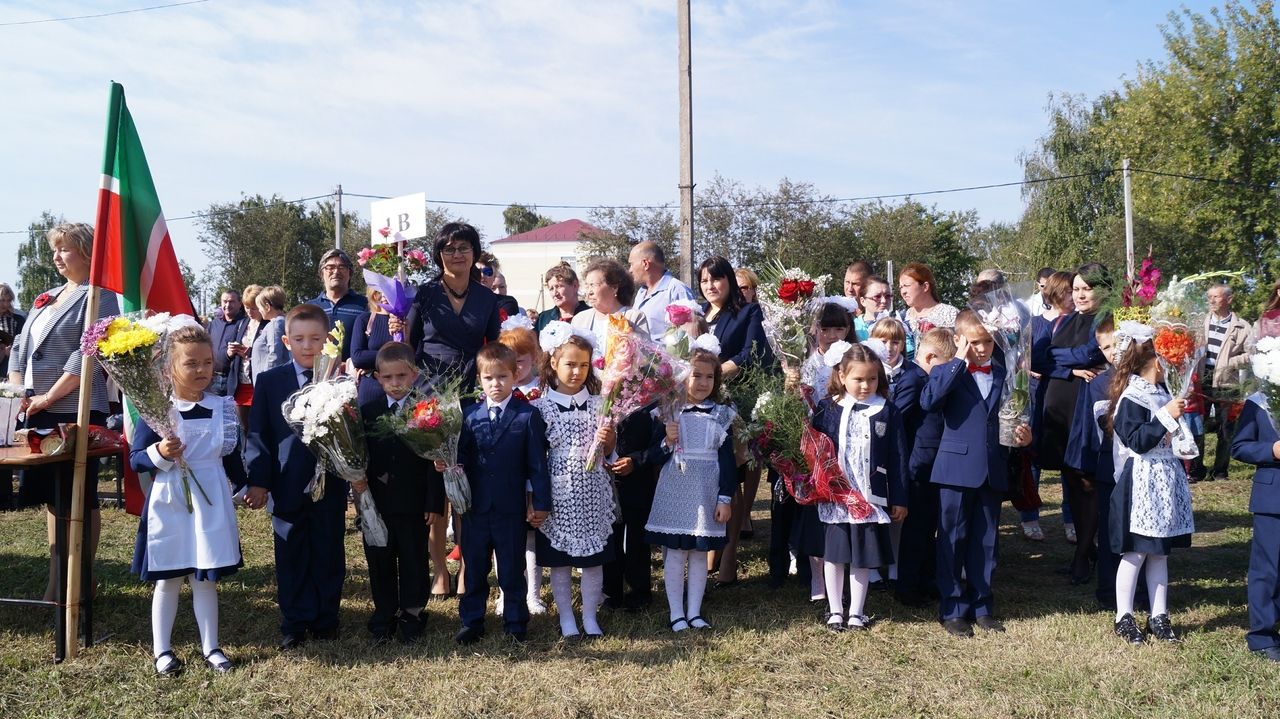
125, 341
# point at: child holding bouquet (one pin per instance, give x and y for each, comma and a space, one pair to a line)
577, 532
1151, 504
199, 545
408, 495
691, 507
866, 430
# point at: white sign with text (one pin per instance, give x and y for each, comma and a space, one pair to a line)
405, 216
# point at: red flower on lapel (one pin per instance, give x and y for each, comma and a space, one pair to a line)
42, 300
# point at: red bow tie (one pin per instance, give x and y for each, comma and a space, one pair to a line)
975, 368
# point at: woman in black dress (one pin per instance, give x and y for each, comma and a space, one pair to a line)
1065, 363
454, 314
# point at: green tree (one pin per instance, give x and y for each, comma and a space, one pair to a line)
1211, 109
519, 218
911, 232
621, 228
36, 272
267, 241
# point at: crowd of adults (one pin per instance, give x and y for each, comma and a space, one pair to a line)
464, 303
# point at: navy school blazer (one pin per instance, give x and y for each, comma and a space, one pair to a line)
741, 336
888, 450
969, 450
904, 393
1253, 443
1084, 449
500, 459
277, 459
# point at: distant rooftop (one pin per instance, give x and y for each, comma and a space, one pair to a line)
567, 231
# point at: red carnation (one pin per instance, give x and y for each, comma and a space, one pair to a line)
502, 315
41, 301
789, 290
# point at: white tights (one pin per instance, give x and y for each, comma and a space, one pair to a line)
1157, 582
532, 572
674, 566
164, 611
817, 586
859, 585
592, 595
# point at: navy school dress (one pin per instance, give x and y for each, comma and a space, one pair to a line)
1151, 504
1069, 345
684, 502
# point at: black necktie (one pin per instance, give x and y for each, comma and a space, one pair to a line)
695, 408
495, 413
858, 406
395, 408
307, 373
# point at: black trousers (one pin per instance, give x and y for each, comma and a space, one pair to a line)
918, 548
783, 514
311, 566
398, 571
632, 564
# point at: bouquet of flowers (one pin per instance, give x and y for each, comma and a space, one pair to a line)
676, 339
1010, 327
636, 373
1137, 294
804, 457
131, 348
388, 272
430, 426
325, 416
789, 298
1266, 368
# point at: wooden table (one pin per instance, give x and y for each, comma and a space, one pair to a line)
63, 466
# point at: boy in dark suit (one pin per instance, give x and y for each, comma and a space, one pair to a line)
1257, 443
503, 449
408, 496
636, 480
310, 563
917, 582
971, 471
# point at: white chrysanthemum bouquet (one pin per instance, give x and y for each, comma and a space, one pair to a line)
1266, 367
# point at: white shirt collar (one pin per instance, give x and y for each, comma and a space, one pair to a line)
489, 404
392, 401
564, 400
184, 406
298, 370
874, 402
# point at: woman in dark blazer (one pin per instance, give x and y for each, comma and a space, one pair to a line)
46, 361
454, 314
1069, 359
739, 327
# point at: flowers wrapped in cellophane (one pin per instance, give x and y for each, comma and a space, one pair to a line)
132, 348
430, 425
1010, 327
387, 269
636, 373
789, 298
804, 457
1266, 369
325, 415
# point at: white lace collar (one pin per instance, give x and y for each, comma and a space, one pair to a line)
873, 403
1143, 386
206, 401
565, 400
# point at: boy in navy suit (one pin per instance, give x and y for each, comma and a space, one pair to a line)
917, 582
972, 474
1257, 443
310, 563
503, 448
408, 495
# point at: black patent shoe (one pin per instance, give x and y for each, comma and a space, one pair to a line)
1127, 629
218, 662
168, 664
1161, 628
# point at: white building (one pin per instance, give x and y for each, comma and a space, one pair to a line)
526, 257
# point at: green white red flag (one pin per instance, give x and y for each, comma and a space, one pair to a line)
132, 252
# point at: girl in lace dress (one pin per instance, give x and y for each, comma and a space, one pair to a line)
866, 430
1151, 504
199, 545
583, 510
690, 507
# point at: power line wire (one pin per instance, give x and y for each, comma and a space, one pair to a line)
101, 14
1217, 180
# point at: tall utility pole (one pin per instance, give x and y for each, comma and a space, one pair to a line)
686, 144
337, 219
1128, 217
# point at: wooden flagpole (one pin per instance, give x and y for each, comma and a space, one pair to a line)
75, 528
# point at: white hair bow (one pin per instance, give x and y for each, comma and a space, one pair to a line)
518, 321
877, 348
709, 342
1130, 332
835, 353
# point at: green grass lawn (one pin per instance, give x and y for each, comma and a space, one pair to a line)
768, 656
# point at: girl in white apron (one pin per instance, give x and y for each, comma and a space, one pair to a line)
1151, 504
200, 544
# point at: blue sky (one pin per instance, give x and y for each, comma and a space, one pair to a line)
545, 101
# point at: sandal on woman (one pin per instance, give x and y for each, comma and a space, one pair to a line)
218, 661
168, 664
1031, 531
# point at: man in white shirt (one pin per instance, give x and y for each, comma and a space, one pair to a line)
655, 286
1036, 302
